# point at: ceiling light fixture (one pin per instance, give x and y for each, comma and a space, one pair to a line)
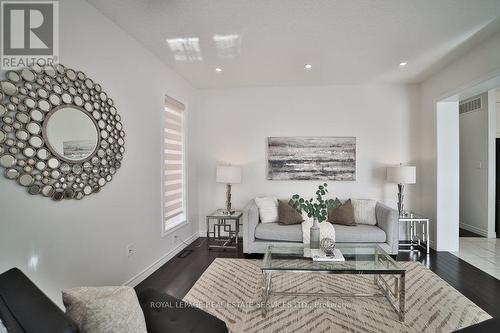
308, 66
218, 69
403, 64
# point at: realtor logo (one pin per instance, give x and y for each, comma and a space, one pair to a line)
29, 33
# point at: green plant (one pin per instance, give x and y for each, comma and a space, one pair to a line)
318, 208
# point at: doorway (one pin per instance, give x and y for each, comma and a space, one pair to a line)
479, 168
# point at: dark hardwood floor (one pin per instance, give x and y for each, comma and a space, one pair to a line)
178, 275
467, 233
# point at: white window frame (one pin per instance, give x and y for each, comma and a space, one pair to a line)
180, 220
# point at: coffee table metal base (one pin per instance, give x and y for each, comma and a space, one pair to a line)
395, 294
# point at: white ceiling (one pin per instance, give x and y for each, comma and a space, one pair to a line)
267, 42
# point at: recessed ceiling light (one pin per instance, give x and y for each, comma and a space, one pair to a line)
218, 69
403, 64
308, 66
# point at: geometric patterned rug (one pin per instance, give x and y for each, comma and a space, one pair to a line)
230, 289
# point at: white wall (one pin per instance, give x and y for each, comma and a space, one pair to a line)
480, 64
233, 124
492, 163
497, 106
448, 182
474, 169
84, 242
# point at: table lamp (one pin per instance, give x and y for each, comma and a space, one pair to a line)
228, 174
402, 175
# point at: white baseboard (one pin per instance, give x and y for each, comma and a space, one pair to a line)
160, 262
474, 229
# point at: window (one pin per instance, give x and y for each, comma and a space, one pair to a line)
174, 152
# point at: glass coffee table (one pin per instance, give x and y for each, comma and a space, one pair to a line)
359, 259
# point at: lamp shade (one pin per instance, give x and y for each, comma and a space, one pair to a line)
228, 174
402, 174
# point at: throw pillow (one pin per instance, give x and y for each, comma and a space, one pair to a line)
105, 309
268, 209
364, 211
287, 214
343, 214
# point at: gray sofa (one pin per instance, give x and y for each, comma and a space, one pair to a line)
256, 235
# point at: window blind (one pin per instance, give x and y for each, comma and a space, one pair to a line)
174, 168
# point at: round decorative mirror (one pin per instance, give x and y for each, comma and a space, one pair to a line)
71, 134
60, 133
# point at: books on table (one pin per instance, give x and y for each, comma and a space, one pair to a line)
320, 256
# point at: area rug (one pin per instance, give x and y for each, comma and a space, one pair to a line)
230, 289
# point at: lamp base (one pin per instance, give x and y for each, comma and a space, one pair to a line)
228, 210
401, 198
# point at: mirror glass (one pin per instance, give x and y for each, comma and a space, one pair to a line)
30, 102
34, 189
42, 154
7, 161
13, 76
23, 117
22, 135
55, 99
29, 152
44, 105
11, 173
36, 141
33, 128
8, 88
47, 191
36, 115
28, 75
25, 180
71, 134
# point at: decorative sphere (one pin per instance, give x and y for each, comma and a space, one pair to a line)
327, 245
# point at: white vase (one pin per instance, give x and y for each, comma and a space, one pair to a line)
314, 235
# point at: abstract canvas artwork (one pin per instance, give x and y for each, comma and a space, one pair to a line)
311, 158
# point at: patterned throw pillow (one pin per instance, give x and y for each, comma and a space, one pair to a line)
105, 309
268, 209
343, 214
287, 214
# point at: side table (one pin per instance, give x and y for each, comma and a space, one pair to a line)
223, 230
419, 232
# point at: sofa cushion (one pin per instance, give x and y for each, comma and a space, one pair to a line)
268, 209
287, 214
279, 232
105, 309
360, 233
342, 214
364, 211
25, 308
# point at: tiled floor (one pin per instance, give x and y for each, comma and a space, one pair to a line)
484, 253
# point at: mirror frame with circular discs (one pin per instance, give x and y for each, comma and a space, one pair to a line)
30, 98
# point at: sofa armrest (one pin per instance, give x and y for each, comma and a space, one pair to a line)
250, 220
388, 220
23, 304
